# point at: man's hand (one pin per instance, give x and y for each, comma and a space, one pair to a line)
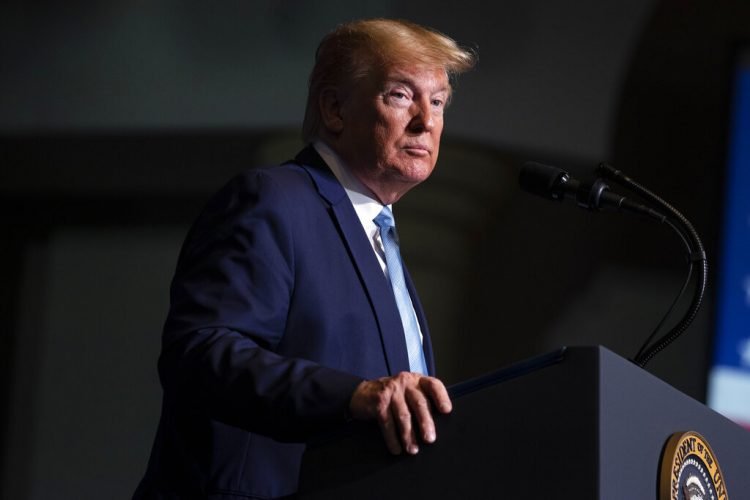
399, 404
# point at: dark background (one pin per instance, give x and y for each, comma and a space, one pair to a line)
119, 119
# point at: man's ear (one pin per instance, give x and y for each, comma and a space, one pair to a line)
331, 104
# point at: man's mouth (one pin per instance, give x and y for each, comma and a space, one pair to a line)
417, 150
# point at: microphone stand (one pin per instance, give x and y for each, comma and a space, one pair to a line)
695, 253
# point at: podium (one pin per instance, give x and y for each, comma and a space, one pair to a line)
579, 423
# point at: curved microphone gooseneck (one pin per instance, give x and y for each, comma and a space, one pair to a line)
696, 253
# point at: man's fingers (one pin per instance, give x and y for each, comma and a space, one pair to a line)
437, 392
389, 431
403, 417
420, 409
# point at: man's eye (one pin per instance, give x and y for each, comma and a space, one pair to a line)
438, 103
399, 95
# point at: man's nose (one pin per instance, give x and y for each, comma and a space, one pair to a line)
423, 119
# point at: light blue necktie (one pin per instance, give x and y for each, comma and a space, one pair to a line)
395, 269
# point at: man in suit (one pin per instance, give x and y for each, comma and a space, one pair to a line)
290, 313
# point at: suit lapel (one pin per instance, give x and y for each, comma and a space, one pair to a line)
375, 284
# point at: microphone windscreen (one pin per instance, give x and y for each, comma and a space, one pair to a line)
542, 180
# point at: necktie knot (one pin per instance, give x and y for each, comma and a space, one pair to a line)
384, 219
387, 225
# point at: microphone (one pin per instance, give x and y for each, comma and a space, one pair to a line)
557, 184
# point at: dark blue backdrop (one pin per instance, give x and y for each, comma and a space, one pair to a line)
730, 377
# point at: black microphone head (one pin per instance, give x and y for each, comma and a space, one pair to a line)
543, 180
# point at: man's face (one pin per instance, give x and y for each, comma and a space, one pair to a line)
391, 129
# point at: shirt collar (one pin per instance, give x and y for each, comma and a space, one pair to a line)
366, 206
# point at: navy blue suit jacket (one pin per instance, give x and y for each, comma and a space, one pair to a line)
279, 309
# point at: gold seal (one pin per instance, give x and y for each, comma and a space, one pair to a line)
689, 470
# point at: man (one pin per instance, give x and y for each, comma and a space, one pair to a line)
290, 312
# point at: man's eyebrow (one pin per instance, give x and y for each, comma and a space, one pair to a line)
400, 79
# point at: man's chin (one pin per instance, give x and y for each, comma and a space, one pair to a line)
414, 170
417, 173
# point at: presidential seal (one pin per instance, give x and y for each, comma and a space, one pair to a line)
689, 470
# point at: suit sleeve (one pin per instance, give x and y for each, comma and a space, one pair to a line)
230, 298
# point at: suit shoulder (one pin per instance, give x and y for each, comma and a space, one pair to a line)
287, 176
262, 185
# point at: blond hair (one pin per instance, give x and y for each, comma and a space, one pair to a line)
357, 49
